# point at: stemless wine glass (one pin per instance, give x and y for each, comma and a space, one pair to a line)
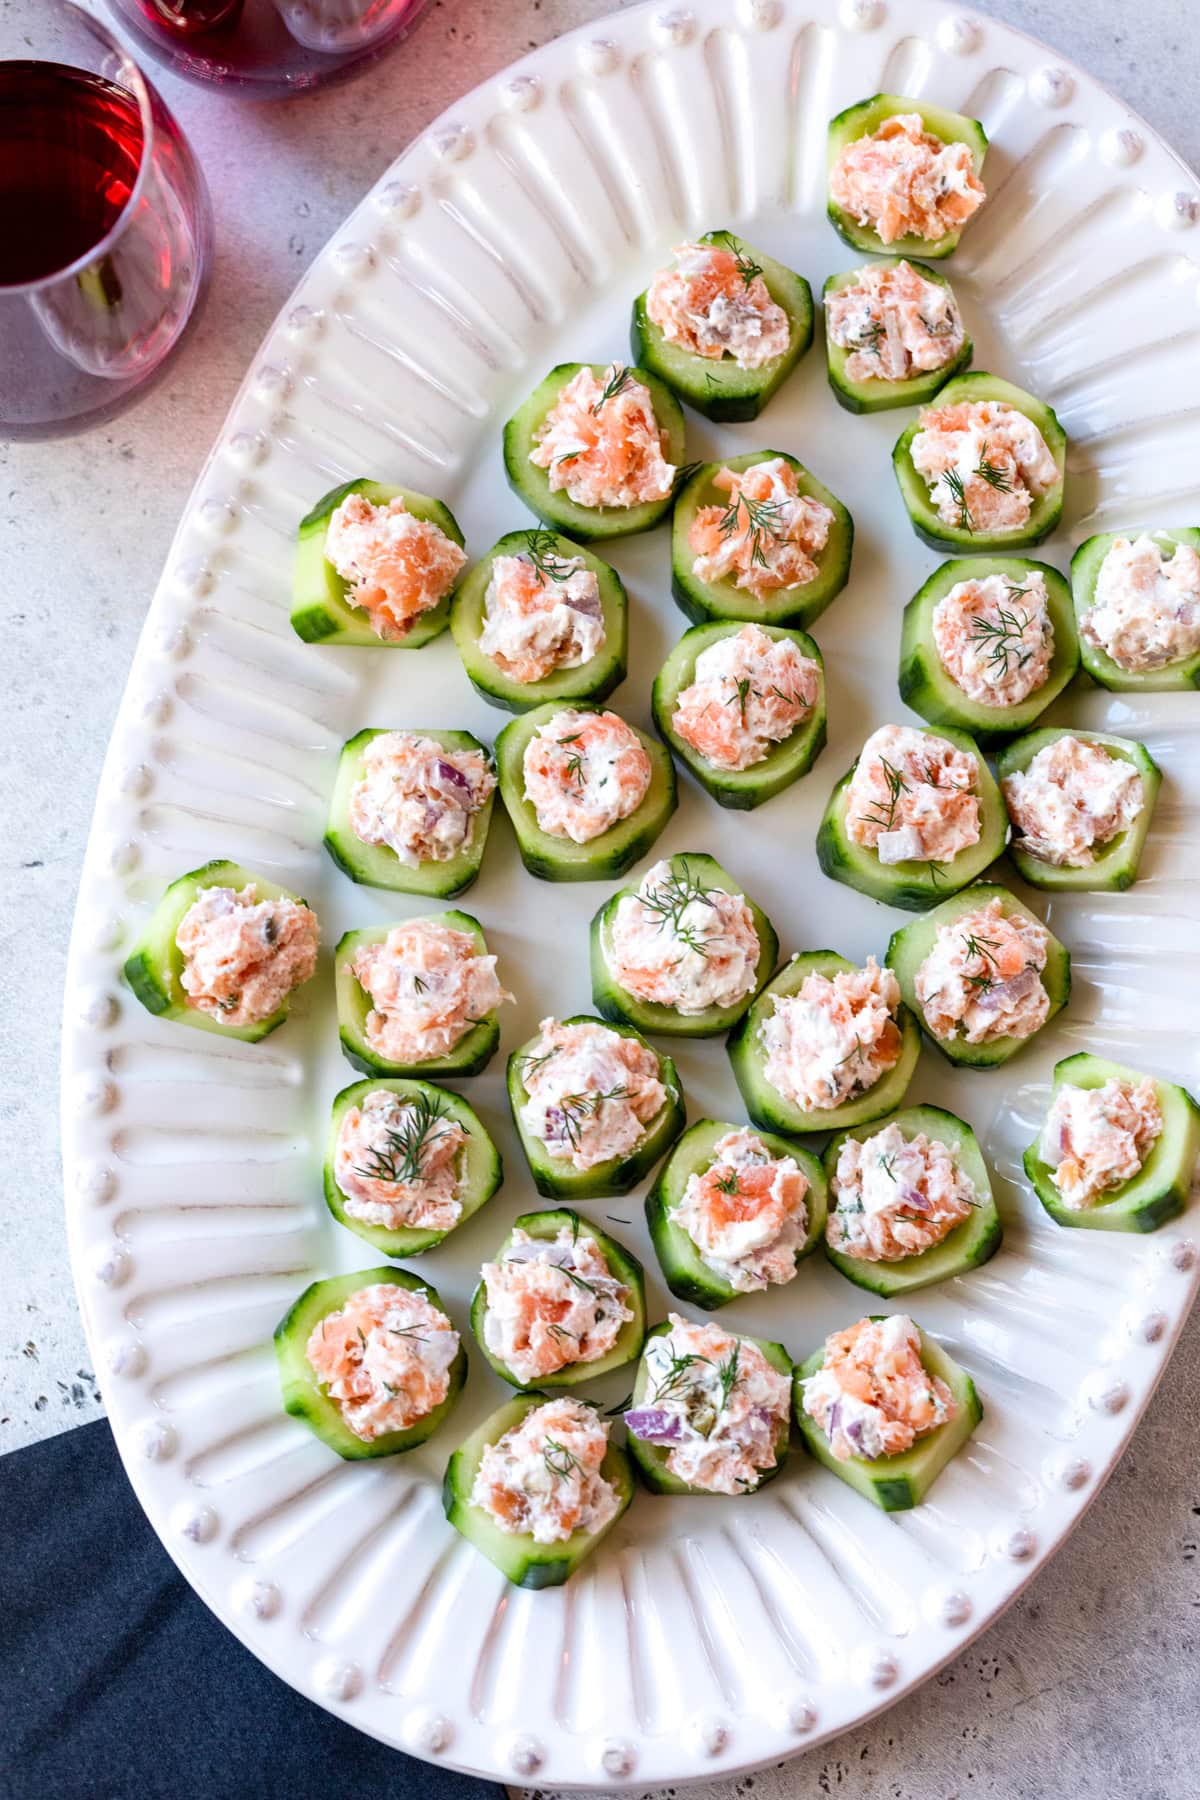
105, 226
266, 47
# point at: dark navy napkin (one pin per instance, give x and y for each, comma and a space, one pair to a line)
117, 1683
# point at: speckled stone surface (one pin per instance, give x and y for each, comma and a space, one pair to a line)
1088, 1685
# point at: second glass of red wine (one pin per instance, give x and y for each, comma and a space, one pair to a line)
266, 47
105, 226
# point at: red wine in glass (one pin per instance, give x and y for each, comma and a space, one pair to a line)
105, 236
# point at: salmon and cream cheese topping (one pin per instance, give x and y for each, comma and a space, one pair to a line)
398, 1162
243, 956
902, 181
894, 324
748, 693
715, 303
416, 799
1074, 798
985, 464
395, 565
428, 986
913, 797
995, 637
768, 535
551, 1303
896, 1196
832, 1039
677, 943
542, 612
591, 1092
747, 1213
1097, 1139
1145, 612
543, 1477
383, 1358
584, 772
601, 442
873, 1396
983, 978
714, 1403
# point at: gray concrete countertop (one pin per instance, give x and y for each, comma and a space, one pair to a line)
1088, 1684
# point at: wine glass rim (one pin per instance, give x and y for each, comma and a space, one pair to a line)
140, 89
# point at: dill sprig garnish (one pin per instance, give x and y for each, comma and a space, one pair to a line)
671, 899
982, 947
541, 550
575, 1108
746, 268
870, 337
958, 494
994, 474
405, 1145
763, 519
614, 384
532, 1063
728, 1372
559, 1459
676, 1373
1004, 637
728, 1184
854, 1055
883, 812
888, 1165
743, 690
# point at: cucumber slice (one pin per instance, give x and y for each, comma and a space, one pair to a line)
896, 1483
880, 395
718, 388
651, 1459
482, 1171
1115, 864
474, 1049
533, 484
741, 789
558, 1178
321, 614
864, 118
966, 1247
622, 1263
1085, 572
1160, 1189
913, 886
615, 1002
912, 944
684, 1269
592, 680
376, 865
1044, 513
766, 1105
704, 600
518, 1555
928, 687
604, 857
154, 967
303, 1395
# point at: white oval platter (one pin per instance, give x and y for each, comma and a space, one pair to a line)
707, 1637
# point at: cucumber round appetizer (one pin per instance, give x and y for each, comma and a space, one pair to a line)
1152, 631
1135, 1122
1005, 629
685, 1270
569, 1070
474, 1048
518, 1554
783, 762
989, 482
755, 528
608, 852
590, 1261
696, 941
749, 1054
388, 1141
554, 560
155, 967
377, 864
1109, 861
322, 613
409, 1338
690, 1398
981, 951
911, 883
863, 120
719, 386
902, 1479
940, 1190
524, 431
872, 390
